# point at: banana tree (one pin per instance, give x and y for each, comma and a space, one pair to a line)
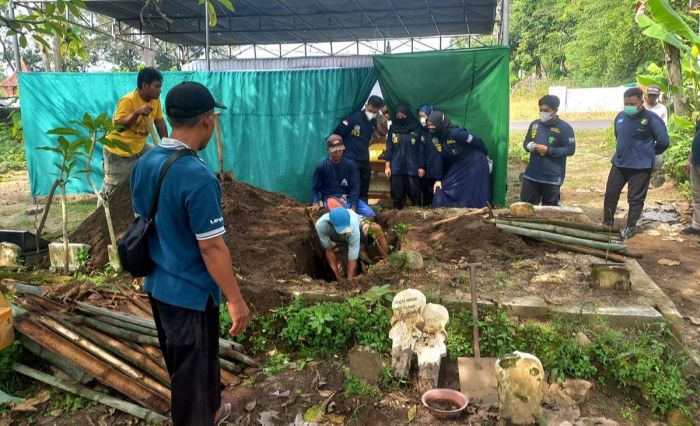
681, 76
90, 132
70, 153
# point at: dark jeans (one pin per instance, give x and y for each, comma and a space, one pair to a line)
402, 186
426, 189
365, 175
637, 181
537, 192
189, 341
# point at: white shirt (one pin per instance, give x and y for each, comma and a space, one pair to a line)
660, 110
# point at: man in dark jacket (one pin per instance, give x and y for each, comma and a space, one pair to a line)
641, 135
336, 178
356, 131
549, 140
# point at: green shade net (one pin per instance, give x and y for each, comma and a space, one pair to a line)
274, 129
469, 85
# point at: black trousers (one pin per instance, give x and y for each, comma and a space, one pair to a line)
537, 192
189, 341
637, 181
365, 175
403, 186
426, 189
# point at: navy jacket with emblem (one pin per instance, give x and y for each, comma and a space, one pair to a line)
639, 139
405, 152
695, 147
356, 131
432, 157
558, 136
335, 180
458, 144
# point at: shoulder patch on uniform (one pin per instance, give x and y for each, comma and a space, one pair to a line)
644, 121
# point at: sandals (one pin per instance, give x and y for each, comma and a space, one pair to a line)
224, 413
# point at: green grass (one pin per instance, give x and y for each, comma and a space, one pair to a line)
12, 155
523, 104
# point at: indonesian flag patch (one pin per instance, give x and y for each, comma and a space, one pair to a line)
346, 122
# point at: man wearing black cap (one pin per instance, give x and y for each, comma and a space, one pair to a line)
192, 263
336, 179
356, 131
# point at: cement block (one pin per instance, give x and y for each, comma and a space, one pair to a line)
527, 307
616, 317
56, 255
9, 255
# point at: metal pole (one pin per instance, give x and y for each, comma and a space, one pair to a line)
206, 34
505, 24
15, 41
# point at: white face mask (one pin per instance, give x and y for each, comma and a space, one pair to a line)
423, 121
546, 116
370, 115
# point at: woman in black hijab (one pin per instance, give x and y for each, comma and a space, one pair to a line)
404, 157
463, 179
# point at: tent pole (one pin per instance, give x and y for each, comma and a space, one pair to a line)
206, 34
15, 41
505, 23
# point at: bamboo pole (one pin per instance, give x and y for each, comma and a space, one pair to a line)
75, 372
94, 366
116, 331
131, 355
585, 250
142, 305
110, 401
593, 227
143, 322
229, 366
104, 355
127, 326
237, 356
561, 230
532, 233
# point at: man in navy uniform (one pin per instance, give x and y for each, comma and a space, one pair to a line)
336, 178
641, 135
356, 131
549, 140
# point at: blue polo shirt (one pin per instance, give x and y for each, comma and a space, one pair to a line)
327, 235
189, 209
356, 131
639, 139
558, 136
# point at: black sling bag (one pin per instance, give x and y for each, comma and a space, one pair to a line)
134, 254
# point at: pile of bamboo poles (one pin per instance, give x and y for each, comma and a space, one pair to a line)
119, 350
595, 240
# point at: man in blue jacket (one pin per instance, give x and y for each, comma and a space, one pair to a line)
641, 135
336, 178
356, 131
549, 140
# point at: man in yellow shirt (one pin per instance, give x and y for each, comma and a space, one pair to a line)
135, 112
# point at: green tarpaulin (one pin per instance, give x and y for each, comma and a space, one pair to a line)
469, 85
274, 129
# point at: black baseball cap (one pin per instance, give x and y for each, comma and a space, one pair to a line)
189, 99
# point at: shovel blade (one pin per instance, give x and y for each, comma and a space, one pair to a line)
477, 380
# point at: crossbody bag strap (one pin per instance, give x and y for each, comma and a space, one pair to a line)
169, 162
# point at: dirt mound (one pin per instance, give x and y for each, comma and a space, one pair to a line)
452, 236
266, 232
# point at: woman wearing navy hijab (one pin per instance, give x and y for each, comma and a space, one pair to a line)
463, 179
404, 157
432, 158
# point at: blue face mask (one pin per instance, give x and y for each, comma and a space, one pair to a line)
631, 110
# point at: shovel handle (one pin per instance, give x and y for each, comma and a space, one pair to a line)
475, 311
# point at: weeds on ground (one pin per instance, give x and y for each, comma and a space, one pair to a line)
353, 387
275, 364
400, 230
8, 356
